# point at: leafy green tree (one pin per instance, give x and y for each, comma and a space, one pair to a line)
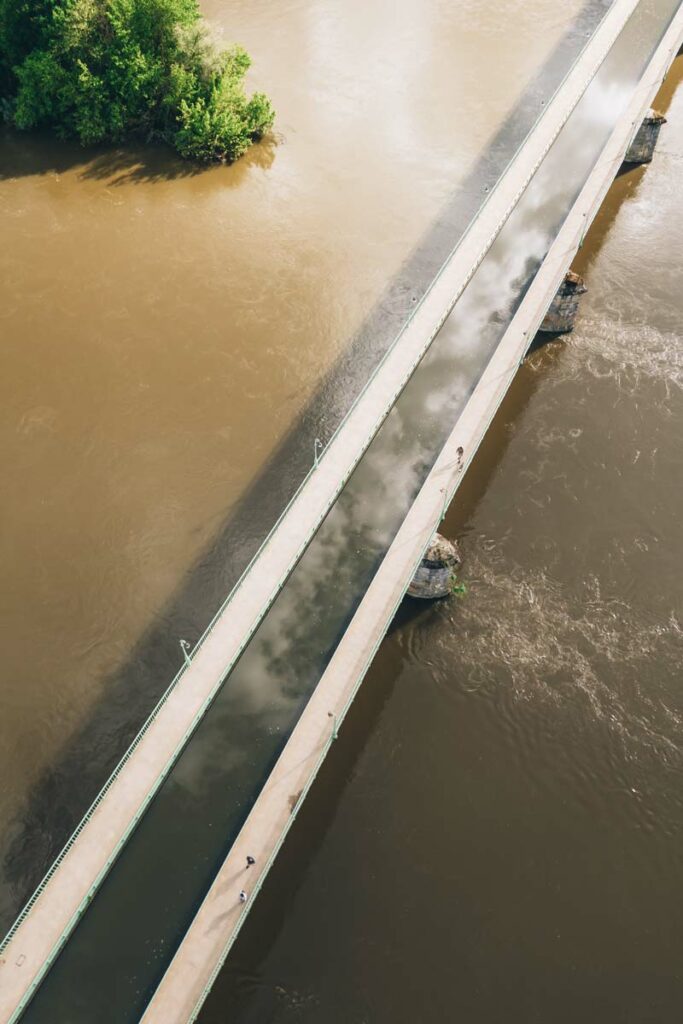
104, 70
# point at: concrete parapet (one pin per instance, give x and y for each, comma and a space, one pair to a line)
563, 309
643, 144
435, 572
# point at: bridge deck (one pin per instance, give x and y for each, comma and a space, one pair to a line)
491, 363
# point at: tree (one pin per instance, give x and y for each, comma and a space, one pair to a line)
105, 70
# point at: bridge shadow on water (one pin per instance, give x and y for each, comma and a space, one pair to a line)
57, 801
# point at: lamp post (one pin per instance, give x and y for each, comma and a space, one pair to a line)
185, 648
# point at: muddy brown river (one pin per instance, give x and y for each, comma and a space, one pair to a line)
172, 342
495, 835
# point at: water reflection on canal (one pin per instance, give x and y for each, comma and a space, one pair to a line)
164, 331
496, 834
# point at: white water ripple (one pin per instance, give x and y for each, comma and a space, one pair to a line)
626, 352
520, 629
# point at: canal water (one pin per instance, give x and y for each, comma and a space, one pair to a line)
496, 834
173, 341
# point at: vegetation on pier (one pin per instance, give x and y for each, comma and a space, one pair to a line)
106, 70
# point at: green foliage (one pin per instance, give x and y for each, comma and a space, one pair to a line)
103, 70
456, 588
